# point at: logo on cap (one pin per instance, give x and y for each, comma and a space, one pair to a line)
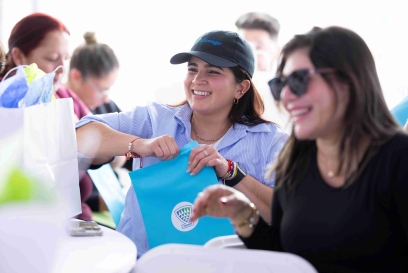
204, 40
180, 216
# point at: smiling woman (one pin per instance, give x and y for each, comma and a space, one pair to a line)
340, 198
222, 112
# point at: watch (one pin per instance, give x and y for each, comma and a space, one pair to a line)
240, 175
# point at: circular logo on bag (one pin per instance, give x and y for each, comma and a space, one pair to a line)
180, 216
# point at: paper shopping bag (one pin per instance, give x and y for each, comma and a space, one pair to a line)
46, 135
166, 194
31, 214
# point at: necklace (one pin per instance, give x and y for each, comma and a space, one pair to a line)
197, 136
330, 173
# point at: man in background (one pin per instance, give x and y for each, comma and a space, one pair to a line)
261, 31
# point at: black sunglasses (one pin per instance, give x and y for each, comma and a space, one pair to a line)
297, 81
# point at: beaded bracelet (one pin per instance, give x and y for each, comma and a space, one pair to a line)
230, 169
129, 154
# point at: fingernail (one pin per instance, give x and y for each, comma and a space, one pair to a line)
188, 170
192, 174
224, 200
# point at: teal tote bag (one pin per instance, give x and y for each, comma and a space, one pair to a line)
400, 112
166, 195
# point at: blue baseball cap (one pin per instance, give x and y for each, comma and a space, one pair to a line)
222, 49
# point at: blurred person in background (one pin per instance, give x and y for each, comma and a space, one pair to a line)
261, 31
93, 70
2, 57
42, 39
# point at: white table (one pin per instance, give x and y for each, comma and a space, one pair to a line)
111, 252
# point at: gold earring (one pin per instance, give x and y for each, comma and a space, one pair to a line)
236, 101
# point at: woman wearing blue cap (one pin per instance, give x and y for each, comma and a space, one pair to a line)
222, 112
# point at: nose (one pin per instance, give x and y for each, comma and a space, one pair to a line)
287, 94
199, 78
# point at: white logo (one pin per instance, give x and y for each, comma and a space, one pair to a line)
180, 216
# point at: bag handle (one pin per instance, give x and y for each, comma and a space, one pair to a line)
14, 68
63, 72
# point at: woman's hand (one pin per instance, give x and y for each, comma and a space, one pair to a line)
222, 201
206, 156
163, 147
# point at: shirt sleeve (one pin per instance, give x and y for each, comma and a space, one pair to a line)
136, 122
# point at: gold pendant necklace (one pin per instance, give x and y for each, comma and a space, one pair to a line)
197, 136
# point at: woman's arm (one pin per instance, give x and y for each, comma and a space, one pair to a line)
98, 140
260, 194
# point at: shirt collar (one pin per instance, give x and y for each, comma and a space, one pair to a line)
183, 117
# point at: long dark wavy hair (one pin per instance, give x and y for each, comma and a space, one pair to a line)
250, 107
366, 117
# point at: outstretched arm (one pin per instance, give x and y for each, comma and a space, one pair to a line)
98, 140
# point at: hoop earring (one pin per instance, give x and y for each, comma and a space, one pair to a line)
236, 101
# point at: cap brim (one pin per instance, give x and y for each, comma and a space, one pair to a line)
206, 57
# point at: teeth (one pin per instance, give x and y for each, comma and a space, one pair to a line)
201, 93
296, 113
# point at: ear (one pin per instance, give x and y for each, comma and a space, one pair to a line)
243, 87
75, 75
18, 56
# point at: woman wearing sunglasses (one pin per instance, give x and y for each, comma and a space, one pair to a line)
342, 178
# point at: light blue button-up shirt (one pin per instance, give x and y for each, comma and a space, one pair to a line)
253, 147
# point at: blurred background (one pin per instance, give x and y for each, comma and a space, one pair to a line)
146, 34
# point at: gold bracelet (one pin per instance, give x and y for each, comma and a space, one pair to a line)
250, 222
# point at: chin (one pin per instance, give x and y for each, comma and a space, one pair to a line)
303, 134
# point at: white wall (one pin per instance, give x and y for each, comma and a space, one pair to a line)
146, 34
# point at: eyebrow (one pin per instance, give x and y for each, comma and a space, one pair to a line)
206, 65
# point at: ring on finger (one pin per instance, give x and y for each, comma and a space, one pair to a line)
205, 152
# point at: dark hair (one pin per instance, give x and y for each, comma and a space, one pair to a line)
366, 116
259, 20
92, 58
29, 32
250, 107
